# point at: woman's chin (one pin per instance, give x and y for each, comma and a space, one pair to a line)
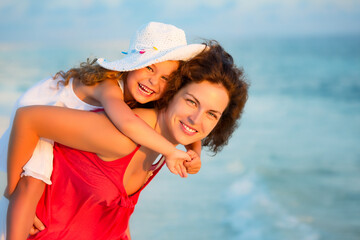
186, 141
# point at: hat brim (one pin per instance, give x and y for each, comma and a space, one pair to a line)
134, 61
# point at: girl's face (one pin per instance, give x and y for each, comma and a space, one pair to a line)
194, 111
148, 84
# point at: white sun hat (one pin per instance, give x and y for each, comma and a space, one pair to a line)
153, 43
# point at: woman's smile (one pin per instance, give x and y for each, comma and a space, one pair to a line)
187, 129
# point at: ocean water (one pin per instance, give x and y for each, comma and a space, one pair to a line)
290, 171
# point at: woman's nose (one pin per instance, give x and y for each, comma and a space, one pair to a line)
195, 118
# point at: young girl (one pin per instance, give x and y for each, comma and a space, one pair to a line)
141, 76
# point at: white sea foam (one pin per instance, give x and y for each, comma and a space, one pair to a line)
254, 214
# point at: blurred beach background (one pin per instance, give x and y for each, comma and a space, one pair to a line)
292, 168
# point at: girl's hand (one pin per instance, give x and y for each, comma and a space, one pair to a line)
175, 162
193, 166
37, 226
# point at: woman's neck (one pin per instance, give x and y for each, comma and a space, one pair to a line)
162, 127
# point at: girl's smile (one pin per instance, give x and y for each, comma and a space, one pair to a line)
148, 84
145, 90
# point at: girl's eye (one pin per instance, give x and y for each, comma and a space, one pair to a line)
149, 68
165, 78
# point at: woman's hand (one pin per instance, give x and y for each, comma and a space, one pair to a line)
37, 226
193, 166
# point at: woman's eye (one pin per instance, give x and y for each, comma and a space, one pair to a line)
165, 78
149, 68
213, 115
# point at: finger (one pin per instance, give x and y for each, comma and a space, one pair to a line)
174, 171
186, 156
193, 167
178, 169
187, 164
33, 230
38, 224
183, 171
191, 153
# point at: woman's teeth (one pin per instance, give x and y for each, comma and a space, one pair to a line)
144, 89
188, 128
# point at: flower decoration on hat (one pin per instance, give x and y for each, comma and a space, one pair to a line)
141, 50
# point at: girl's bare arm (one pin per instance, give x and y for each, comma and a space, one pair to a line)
111, 98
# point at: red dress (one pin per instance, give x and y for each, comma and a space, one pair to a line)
87, 199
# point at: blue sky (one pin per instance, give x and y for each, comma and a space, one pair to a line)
87, 20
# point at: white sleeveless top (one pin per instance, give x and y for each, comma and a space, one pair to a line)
46, 92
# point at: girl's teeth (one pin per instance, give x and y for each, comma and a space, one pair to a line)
145, 89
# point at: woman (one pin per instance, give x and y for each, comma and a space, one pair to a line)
94, 193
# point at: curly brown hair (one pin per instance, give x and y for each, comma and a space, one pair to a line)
89, 73
215, 65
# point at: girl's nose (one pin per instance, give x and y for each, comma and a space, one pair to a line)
154, 80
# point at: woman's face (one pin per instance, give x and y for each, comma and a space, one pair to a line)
147, 84
194, 111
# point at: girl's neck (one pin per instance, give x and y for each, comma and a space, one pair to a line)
127, 95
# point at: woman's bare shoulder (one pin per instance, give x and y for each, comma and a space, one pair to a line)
149, 115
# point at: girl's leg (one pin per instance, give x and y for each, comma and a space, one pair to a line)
22, 207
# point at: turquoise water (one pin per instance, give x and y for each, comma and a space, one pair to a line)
291, 170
